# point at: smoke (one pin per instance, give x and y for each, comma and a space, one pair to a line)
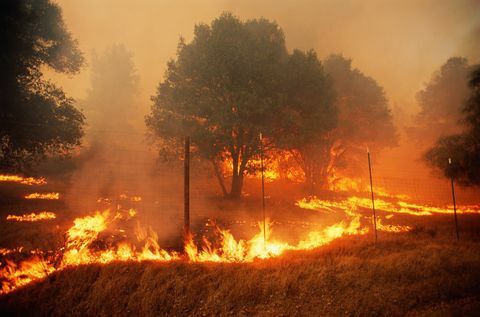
398, 43
115, 162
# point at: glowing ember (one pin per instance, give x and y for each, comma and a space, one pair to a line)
31, 217
47, 196
22, 180
391, 228
131, 198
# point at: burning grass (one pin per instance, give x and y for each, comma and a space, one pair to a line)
47, 196
32, 217
407, 273
101, 238
98, 239
22, 180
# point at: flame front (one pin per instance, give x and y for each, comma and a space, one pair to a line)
32, 217
47, 196
22, 180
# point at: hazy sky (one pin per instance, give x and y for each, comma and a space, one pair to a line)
397, 42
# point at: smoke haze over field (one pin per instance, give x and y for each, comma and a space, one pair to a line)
398, 43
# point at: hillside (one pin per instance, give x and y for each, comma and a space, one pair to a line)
406, 274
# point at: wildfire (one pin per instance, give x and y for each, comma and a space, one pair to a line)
22, 180
47, 196
391, 228
83, 246
31, 217
16, 275
358, 185
402, 207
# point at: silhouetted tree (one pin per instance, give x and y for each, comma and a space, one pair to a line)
36, 117
441, 102
364, 118
462, 148
308, 117
110, 103
223, 89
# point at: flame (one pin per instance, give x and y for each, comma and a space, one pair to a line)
82, 247
31, 217
357, 185
231, 250
16, 275
85, 232
96, 238
22, 180
48, 196
391, 228
401, 207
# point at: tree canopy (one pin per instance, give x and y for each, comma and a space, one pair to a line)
308, 117
458, 155
36, 117
441, 102
236, 79
364, 118
223, 89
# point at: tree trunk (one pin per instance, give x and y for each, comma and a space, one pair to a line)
219, 176
237, 185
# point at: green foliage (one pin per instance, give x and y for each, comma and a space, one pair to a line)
223, 89
36, 118
462, 148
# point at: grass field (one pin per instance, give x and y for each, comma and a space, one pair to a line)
413, 273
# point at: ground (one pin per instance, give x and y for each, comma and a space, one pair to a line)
403, 274
423, 272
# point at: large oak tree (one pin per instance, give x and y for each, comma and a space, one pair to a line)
223, 89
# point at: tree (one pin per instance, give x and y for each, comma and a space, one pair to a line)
309, 116
364, 118
463, 148
36, 117
114, 86
223, 89
441, 102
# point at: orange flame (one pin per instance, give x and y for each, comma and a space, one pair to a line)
31, 217
47, 196
22, 180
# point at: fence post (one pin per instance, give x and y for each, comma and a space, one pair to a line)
453, 197
373, 199
186, 192
263, 192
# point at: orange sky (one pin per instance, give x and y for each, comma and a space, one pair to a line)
398, 42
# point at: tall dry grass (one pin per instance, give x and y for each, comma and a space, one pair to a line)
416, 273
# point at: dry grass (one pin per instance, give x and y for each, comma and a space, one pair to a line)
404, 274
